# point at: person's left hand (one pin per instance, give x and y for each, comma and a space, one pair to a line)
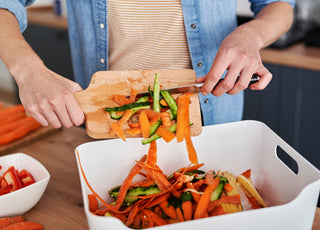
239, 54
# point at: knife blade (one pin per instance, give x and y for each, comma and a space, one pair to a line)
196, 87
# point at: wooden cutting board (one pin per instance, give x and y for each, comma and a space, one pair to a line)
28, 139
104, 84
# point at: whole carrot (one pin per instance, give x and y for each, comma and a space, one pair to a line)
5, 221
14, 124
8, 111
26, 225
19, 132
12, 118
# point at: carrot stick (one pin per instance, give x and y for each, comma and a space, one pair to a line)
133, 131
146, 220
133, 95
5, 221
152, 154
19, 132
187, 135
165, 133
121, 100
118, 131
8, 111
168, 209
165, 119
132, 215
126, 184
205, 199
25, 225
143, 183
195, 196
93, 202
181, 116
155, 218
14, 124
228, 187
125, 117
12, 118
158, 200
144, 124
194, 167
187, 209
179, 214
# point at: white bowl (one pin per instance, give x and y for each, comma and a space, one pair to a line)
22, 200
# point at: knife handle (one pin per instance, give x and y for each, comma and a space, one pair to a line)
255, 78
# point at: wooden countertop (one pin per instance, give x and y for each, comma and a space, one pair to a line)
61, 206
298, 56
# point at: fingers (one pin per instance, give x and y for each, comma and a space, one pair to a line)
265, 78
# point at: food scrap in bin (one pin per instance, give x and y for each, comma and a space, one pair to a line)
188, 193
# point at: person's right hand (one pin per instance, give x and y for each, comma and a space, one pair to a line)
48, 97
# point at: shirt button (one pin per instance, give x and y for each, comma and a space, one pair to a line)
101, 60
193, 26
206, 100
199, 64
101, 25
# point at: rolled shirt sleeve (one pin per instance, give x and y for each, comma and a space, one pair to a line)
257, 5
17, 7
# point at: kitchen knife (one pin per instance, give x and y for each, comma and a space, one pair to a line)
196, 87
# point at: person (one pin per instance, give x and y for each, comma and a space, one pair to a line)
146, 34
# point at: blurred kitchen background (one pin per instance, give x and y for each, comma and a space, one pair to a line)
290, 105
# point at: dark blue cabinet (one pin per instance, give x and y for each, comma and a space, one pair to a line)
290, 106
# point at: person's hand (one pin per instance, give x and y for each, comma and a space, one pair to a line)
48, 97
239, 54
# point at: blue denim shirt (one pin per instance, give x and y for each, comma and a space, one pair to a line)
207, 23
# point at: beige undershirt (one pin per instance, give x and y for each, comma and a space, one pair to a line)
147, 34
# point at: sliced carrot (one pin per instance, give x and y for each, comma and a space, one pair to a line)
133, 95
19, 132
137, 221
179, 214
235, 199
247, 173
93, 202
152, 115
228, 187
187, 209
163, 102
133, 122
126, 183
5, 221
133, 131
165, 119
132, 214
218, 210
165, 133
152, 154
191, 168
144, 124
187, 134
121, 100
155, 218
125, 117
169, 210
205, 199
146, 220
196, 196
181, 116
25, 225
158, 200
118, 131
110, 207
142, 183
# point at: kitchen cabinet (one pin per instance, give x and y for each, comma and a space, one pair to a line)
52, 46
290, 106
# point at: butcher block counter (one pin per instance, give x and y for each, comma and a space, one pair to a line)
61, 206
